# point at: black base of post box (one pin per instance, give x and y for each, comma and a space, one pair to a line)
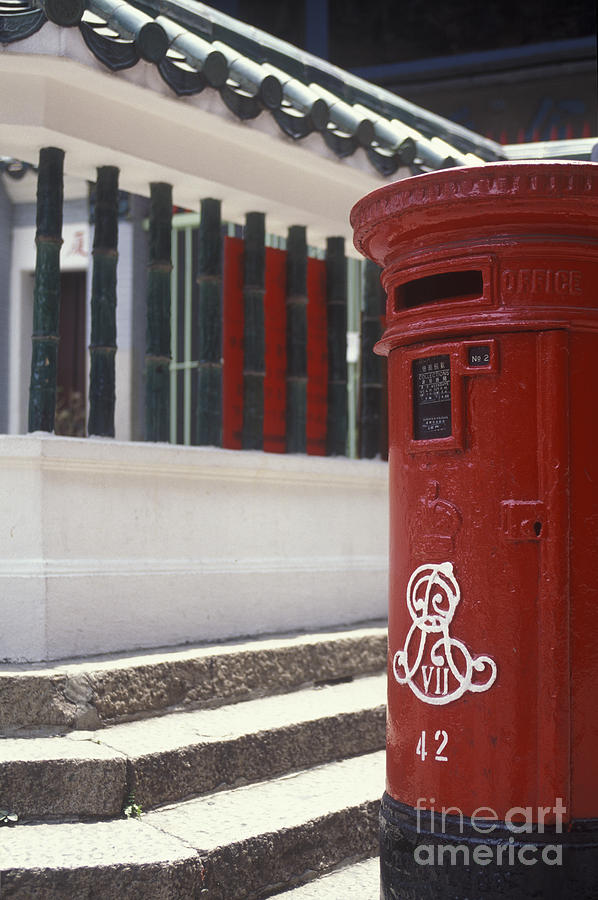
428, 855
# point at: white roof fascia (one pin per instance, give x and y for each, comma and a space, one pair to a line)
56, 93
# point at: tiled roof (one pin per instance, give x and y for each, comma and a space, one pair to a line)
196, 48
575, 148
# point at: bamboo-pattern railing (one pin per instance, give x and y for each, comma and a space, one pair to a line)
296, 309
269, 329
157, 357
209, 372
102, 391
46, 290
254, 360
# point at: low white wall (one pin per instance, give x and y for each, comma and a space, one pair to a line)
109, 546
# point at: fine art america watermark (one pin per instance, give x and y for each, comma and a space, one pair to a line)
484, 821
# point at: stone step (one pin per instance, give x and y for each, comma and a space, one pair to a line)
87, 694
360, 881
238, 844
182, 754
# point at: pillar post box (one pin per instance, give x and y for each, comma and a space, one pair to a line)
491, 275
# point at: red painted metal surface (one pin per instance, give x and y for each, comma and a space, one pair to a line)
492, 276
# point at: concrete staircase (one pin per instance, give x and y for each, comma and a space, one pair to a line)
257, 768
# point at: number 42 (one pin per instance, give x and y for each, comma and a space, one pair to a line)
441, 737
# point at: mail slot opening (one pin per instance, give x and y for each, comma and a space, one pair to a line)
437, 288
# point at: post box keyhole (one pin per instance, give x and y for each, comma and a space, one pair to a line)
537, 528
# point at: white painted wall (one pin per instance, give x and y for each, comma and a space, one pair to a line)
109, 546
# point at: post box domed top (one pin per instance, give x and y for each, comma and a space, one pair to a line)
443, 207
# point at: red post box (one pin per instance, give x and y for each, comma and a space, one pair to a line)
491, 275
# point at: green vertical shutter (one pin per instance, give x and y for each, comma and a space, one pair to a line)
209, 370
336, 304
103, 305
372, 374
296, 306
157, 358
254, 268
46, 291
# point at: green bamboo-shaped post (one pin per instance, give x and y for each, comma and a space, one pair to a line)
209, 370
103, 305
296, 308
157, 353
254, 368
372, 375
336, 306
46, 290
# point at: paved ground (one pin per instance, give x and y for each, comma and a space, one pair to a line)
358, 882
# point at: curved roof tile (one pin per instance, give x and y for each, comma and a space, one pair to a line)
187, 46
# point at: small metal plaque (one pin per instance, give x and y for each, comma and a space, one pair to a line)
478, 356
432, 397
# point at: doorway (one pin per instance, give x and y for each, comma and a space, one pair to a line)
70, 416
